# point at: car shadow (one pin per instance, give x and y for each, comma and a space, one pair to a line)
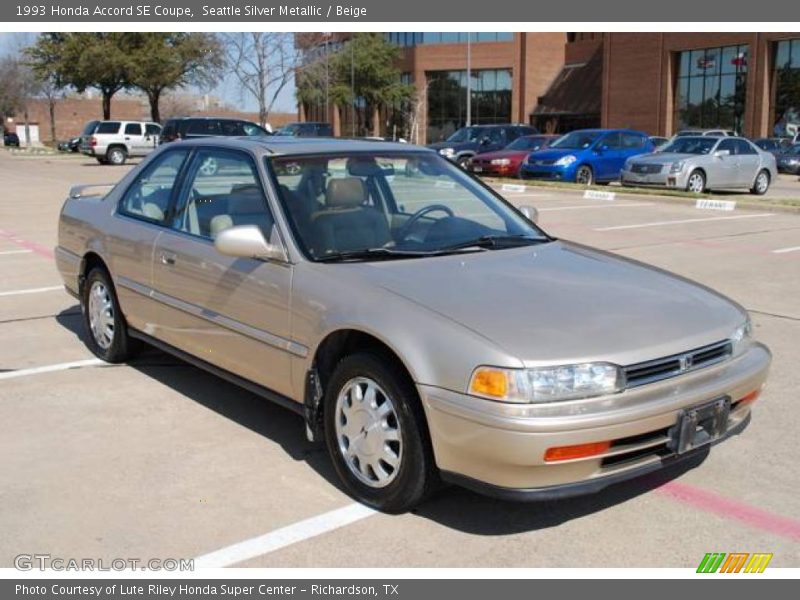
452, 506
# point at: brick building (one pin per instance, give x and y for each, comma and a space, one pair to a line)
655, 82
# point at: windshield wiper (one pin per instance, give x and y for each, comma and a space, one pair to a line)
497, 241
371, 253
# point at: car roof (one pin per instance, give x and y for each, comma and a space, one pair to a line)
288, 145
205, 118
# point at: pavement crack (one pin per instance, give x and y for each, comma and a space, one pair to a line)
776, 315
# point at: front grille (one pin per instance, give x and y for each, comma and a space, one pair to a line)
646, 168
670, 366
542, 162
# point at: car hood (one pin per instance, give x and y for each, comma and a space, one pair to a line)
457, 146
555, 153
663, 157
512, 154
560, 302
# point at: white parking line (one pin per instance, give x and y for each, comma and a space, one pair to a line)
681, 222
32, 290
76, 364
7, 252
785, 250
590, 206
285, 536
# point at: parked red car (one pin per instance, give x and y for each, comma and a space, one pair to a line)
506, 162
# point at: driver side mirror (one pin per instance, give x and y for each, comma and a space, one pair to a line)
530, 213
721, 153
247, 241
485, 141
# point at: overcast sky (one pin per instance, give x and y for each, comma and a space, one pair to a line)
227, 90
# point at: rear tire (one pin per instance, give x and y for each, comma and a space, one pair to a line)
106, 329
761, 183
116, 156
371, 413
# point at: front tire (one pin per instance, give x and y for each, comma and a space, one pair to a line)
376, 434
584, 175
462, 161
107, 332
761, 184
696, 183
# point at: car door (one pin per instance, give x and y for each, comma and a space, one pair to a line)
723, 169
232, 312
748, 161
606, 155
152, 135
132, 232
133, 134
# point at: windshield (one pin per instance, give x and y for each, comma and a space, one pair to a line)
690, 145
288, 130
467, 134
527, 143
397, 205
577, 140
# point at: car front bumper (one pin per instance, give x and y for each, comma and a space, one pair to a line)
663, 179
499, 448
548, 172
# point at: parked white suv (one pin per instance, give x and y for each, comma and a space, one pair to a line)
112, 142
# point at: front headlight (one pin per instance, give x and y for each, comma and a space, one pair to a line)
547, 384
448, 152
677, 167
741, 338
501, 162
565, 161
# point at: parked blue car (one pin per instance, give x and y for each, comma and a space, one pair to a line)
586, 156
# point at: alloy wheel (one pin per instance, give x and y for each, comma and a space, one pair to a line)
101, 315
368, 432
696, 183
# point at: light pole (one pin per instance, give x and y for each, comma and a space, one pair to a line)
469, 79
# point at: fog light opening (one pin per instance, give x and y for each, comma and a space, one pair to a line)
577, 451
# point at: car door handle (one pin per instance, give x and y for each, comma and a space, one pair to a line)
167, 258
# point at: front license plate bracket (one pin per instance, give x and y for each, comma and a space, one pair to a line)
700, 425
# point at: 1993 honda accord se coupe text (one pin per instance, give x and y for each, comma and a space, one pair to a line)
424, 328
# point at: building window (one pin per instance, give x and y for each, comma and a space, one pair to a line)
786, 81
711, 88
447, 37
447, 100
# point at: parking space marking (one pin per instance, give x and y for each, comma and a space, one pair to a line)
682, 222
731, 509
8, 252
26, 244
32, 290
592, 206
785, 250
285, 536
75, 364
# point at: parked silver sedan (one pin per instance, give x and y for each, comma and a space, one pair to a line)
423, 327
700, 163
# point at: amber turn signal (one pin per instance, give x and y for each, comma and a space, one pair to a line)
749, 398
577, 451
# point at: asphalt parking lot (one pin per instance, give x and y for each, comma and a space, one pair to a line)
157, 459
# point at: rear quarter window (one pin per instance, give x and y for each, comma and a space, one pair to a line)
108, 127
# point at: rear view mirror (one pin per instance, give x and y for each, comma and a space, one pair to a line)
530, 213
247, 241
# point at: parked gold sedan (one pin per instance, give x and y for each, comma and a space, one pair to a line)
424, 328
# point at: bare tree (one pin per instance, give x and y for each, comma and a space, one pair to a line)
17, 86
262, 63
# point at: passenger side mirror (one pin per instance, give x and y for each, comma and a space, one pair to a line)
721, 153
530, 213
486, 141
247, 241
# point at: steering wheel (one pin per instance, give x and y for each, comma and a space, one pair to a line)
405, 229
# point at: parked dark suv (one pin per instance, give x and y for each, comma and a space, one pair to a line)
476, 139
306, 129
193, 127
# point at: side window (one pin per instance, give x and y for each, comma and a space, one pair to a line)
148, 196
133, 129
729, 145
613, 141
223, 191
631, 141
203, 127
108, 127
231, 128
251, 129
152, 129
743, 147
